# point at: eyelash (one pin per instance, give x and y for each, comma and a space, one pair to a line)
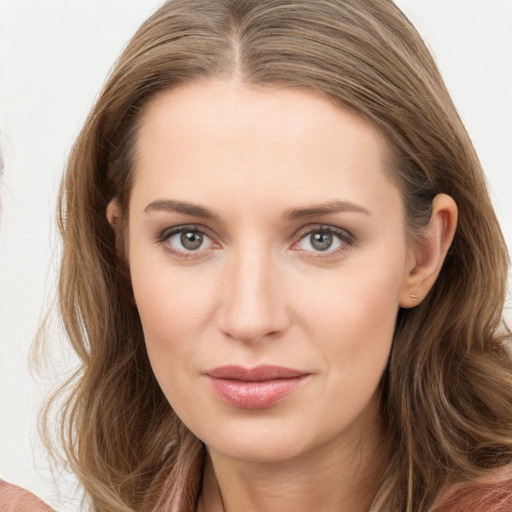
165, 236
345, 238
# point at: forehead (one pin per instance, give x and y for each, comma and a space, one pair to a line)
257, 143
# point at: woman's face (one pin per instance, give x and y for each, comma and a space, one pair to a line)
268, 259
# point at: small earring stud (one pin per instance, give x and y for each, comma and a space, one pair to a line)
414, 295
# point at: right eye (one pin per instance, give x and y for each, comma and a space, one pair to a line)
184, 240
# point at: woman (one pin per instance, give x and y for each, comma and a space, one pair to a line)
282, 272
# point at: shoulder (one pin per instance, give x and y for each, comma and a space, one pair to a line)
17, 499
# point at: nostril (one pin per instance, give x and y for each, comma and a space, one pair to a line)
252, 322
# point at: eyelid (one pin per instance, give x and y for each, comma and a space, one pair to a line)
167, 233
314, 228
348, 240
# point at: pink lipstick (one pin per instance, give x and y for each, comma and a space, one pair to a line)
254, 388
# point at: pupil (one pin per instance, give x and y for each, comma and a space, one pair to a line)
321, 241
191, 240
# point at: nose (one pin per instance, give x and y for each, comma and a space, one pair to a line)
253, 304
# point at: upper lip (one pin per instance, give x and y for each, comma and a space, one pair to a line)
256, 374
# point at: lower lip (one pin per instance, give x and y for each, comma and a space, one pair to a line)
255, 394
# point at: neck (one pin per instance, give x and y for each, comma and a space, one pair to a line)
343, 474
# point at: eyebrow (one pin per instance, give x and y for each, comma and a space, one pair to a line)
196, 210
324, 209
171, 205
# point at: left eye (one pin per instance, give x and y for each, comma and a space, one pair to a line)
187, 240
321, 240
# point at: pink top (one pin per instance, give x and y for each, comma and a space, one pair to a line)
16, 499
494, 494
491, 496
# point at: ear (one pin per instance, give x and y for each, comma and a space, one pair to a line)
115, 219
427, 255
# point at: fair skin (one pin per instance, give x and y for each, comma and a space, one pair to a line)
263, 229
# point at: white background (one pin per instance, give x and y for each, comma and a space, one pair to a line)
54, 56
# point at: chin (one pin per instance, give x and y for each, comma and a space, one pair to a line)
257, 441
270, 440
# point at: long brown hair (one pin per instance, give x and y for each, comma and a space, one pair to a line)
447, 390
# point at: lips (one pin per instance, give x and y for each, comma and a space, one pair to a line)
255, 388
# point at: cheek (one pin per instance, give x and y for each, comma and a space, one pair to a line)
352, 322
358, 303
175, 308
